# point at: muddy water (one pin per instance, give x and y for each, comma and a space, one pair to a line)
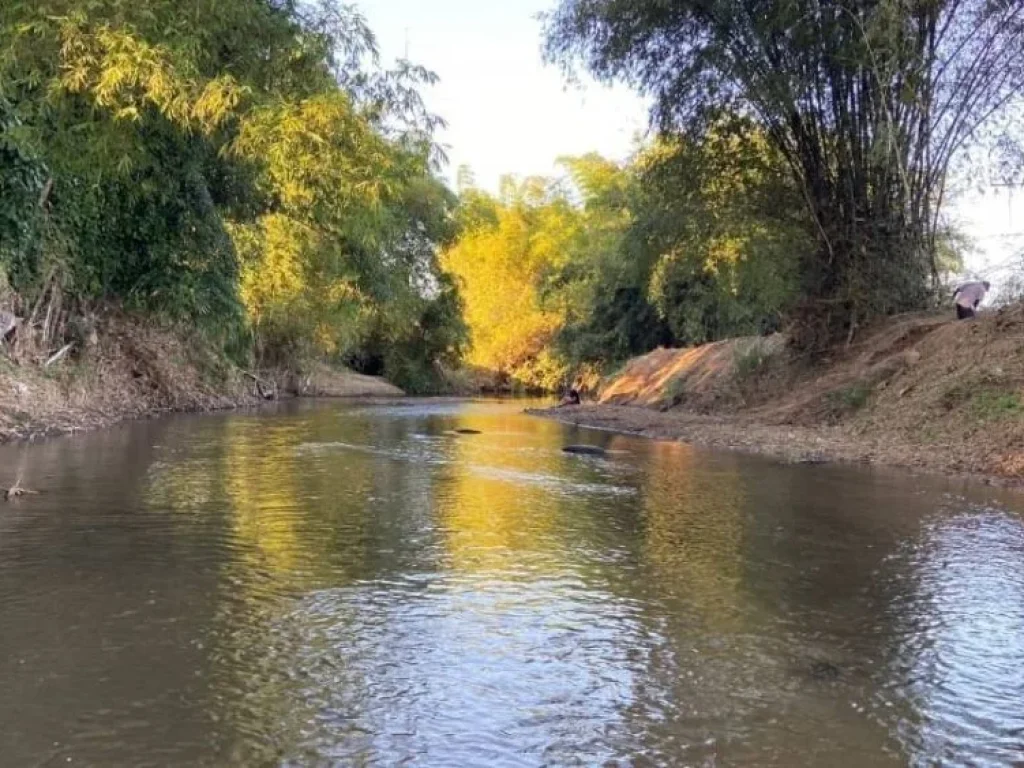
354, 585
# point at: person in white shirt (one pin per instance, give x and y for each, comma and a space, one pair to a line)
968, 296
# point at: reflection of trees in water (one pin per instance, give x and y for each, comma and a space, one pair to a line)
279, 522
739, 553
679, 622
325, 526
492, 519
694, 687
693, 528
296, 517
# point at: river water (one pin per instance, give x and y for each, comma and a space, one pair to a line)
331, 584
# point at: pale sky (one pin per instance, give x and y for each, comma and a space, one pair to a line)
994, 219
508, 112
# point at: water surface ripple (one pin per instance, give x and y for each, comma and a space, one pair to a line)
327, 584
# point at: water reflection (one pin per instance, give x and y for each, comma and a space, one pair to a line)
359, 585
959, 662
694, 532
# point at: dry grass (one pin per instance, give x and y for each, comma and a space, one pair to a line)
323, 381
915, 391
135, 369
701, 378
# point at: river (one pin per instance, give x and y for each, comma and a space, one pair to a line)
353, 584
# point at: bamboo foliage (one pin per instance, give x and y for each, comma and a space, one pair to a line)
246, 165
867, 100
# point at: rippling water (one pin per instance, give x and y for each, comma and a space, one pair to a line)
351, 585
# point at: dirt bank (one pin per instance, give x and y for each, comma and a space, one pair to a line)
917, 391
323, 381
137, 369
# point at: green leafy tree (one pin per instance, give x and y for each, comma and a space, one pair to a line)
866, 100
241, 163
723, 226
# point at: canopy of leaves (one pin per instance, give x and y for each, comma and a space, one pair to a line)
724, 227
500, 260
866, 100
691, 241
242, 163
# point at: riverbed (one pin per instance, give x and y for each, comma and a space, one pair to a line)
358, 584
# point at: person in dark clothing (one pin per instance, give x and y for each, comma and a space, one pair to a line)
573, 398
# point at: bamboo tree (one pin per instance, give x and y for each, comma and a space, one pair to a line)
867, 100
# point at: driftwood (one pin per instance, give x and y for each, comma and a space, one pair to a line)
263, 388
16, 491
57, 356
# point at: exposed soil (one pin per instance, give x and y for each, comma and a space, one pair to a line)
324, 381
137, 369
918, 391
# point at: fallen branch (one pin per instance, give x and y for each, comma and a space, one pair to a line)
270, 391
16, 491
59, 355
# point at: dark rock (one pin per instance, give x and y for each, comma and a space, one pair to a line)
585, 450
824, 671
467, 431
812, 460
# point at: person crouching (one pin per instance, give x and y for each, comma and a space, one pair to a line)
572, 398
968, 296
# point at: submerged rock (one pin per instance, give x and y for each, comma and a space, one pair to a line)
812, 460
585, 450
825, 671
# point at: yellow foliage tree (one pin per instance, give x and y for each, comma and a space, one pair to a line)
501, 262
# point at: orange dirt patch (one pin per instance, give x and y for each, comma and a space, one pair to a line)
917, 390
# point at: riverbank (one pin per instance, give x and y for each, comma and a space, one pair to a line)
136, 369
917, 392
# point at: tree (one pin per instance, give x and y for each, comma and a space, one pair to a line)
866, 100
602, 287
722, 224
245, 165
500, 262
22, 182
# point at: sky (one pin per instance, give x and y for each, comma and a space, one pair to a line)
508, 112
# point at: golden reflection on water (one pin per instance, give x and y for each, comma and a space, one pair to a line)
360, 579
489, 520
262, 486
694, 530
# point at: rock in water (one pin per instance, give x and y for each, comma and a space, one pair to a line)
467, 431
585, 450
